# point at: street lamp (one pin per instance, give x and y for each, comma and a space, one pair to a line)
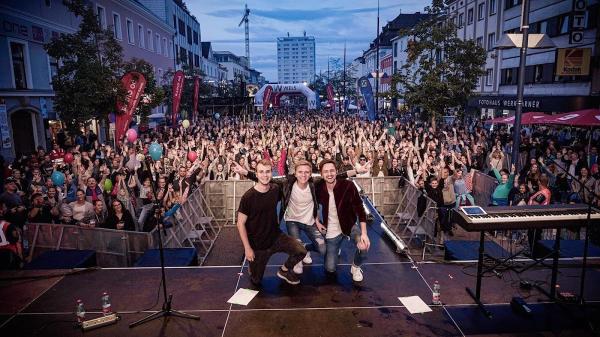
522, 41
378, 76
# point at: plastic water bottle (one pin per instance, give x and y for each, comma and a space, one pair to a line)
106, 307
436, 294
80, 312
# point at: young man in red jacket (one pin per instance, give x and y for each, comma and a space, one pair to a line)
342, 209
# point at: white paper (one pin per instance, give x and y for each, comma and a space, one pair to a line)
242, 296
414, 304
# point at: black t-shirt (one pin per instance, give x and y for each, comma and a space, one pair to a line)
262, 224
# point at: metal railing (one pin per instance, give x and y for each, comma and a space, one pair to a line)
114, 248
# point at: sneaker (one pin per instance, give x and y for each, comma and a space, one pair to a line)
288, 276
298, 268
357, 274
307, 259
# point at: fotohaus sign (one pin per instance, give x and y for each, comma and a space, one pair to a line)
576, 34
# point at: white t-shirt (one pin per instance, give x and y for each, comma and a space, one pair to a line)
333, 222
301, 205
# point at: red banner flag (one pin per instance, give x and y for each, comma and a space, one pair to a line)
196, 89
178, 79
134, 83
267, 97
329, 89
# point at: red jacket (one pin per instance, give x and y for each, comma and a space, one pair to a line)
347, 201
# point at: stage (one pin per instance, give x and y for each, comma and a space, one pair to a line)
41, 303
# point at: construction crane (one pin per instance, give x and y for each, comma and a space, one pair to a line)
245, 21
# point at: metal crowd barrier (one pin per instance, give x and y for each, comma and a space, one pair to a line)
114, 248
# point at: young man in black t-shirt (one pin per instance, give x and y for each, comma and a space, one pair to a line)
258, 225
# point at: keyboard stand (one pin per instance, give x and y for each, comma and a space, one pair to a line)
480, 271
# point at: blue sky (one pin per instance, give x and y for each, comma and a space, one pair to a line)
331, 22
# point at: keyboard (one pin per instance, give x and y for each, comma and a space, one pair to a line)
527, 217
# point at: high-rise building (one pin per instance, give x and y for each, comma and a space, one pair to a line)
296, 59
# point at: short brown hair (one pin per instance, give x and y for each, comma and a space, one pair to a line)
265, 162
325, 162
302, 163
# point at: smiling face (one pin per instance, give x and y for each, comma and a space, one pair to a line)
302, 173
264, 173
329, 172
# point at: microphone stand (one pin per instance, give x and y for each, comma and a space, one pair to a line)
167, 309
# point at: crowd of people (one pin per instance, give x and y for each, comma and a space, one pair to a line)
114, 186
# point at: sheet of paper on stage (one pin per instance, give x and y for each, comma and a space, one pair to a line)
242, 296
414, 304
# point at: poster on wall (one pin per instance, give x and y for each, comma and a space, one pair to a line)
5, 132
573, 61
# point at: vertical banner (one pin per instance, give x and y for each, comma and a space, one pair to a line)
178, 79
196, 89
134, 83
367, 93
4, 130
266, 100
329, 89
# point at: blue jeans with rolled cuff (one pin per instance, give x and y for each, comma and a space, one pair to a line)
333, 247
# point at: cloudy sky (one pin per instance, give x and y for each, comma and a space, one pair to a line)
331, 22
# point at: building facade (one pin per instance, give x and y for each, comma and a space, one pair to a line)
186, 39
237, 66
214, 73
546, 89
296, 59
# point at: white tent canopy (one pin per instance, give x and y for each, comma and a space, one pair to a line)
310, 95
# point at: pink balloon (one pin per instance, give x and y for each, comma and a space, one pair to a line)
131, 135
68, 158
192, 156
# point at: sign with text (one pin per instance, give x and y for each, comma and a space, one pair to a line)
576, 33
573, 61
5, 131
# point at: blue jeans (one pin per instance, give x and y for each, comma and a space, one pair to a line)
334, 244
316, 238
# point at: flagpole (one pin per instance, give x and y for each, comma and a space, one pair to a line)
344, 81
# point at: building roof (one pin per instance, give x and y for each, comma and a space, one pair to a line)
392, 28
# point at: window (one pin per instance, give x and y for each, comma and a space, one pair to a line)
191, 58
489, 77
52, 68
511, 3
142, 42
182, 55
189, 35
492, 7
117, 26
470, 16
491, 42
171, 49
48, 3
165, 49
196, 60
563, 23
130, 32
181, 27
17, 54
479, 41
101, 13
461, 19
157, 44
160, 76
150, 40
196, 37
538, 73
481, 11
509, 76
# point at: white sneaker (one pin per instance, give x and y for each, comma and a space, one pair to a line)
307, 259
298, 268
357, 274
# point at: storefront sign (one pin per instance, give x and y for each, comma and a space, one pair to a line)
576, 34
536, 103
573, 61
5, 132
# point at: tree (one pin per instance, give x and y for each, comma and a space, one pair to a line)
87, 83
442, 70
154, 95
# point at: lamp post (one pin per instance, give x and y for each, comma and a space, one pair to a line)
522, 41
377, 66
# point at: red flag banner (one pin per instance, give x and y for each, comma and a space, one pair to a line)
178, 79
134, 83
196, 90
267, 97
329, 89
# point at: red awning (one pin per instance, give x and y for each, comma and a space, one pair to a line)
588, 117
526, 118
